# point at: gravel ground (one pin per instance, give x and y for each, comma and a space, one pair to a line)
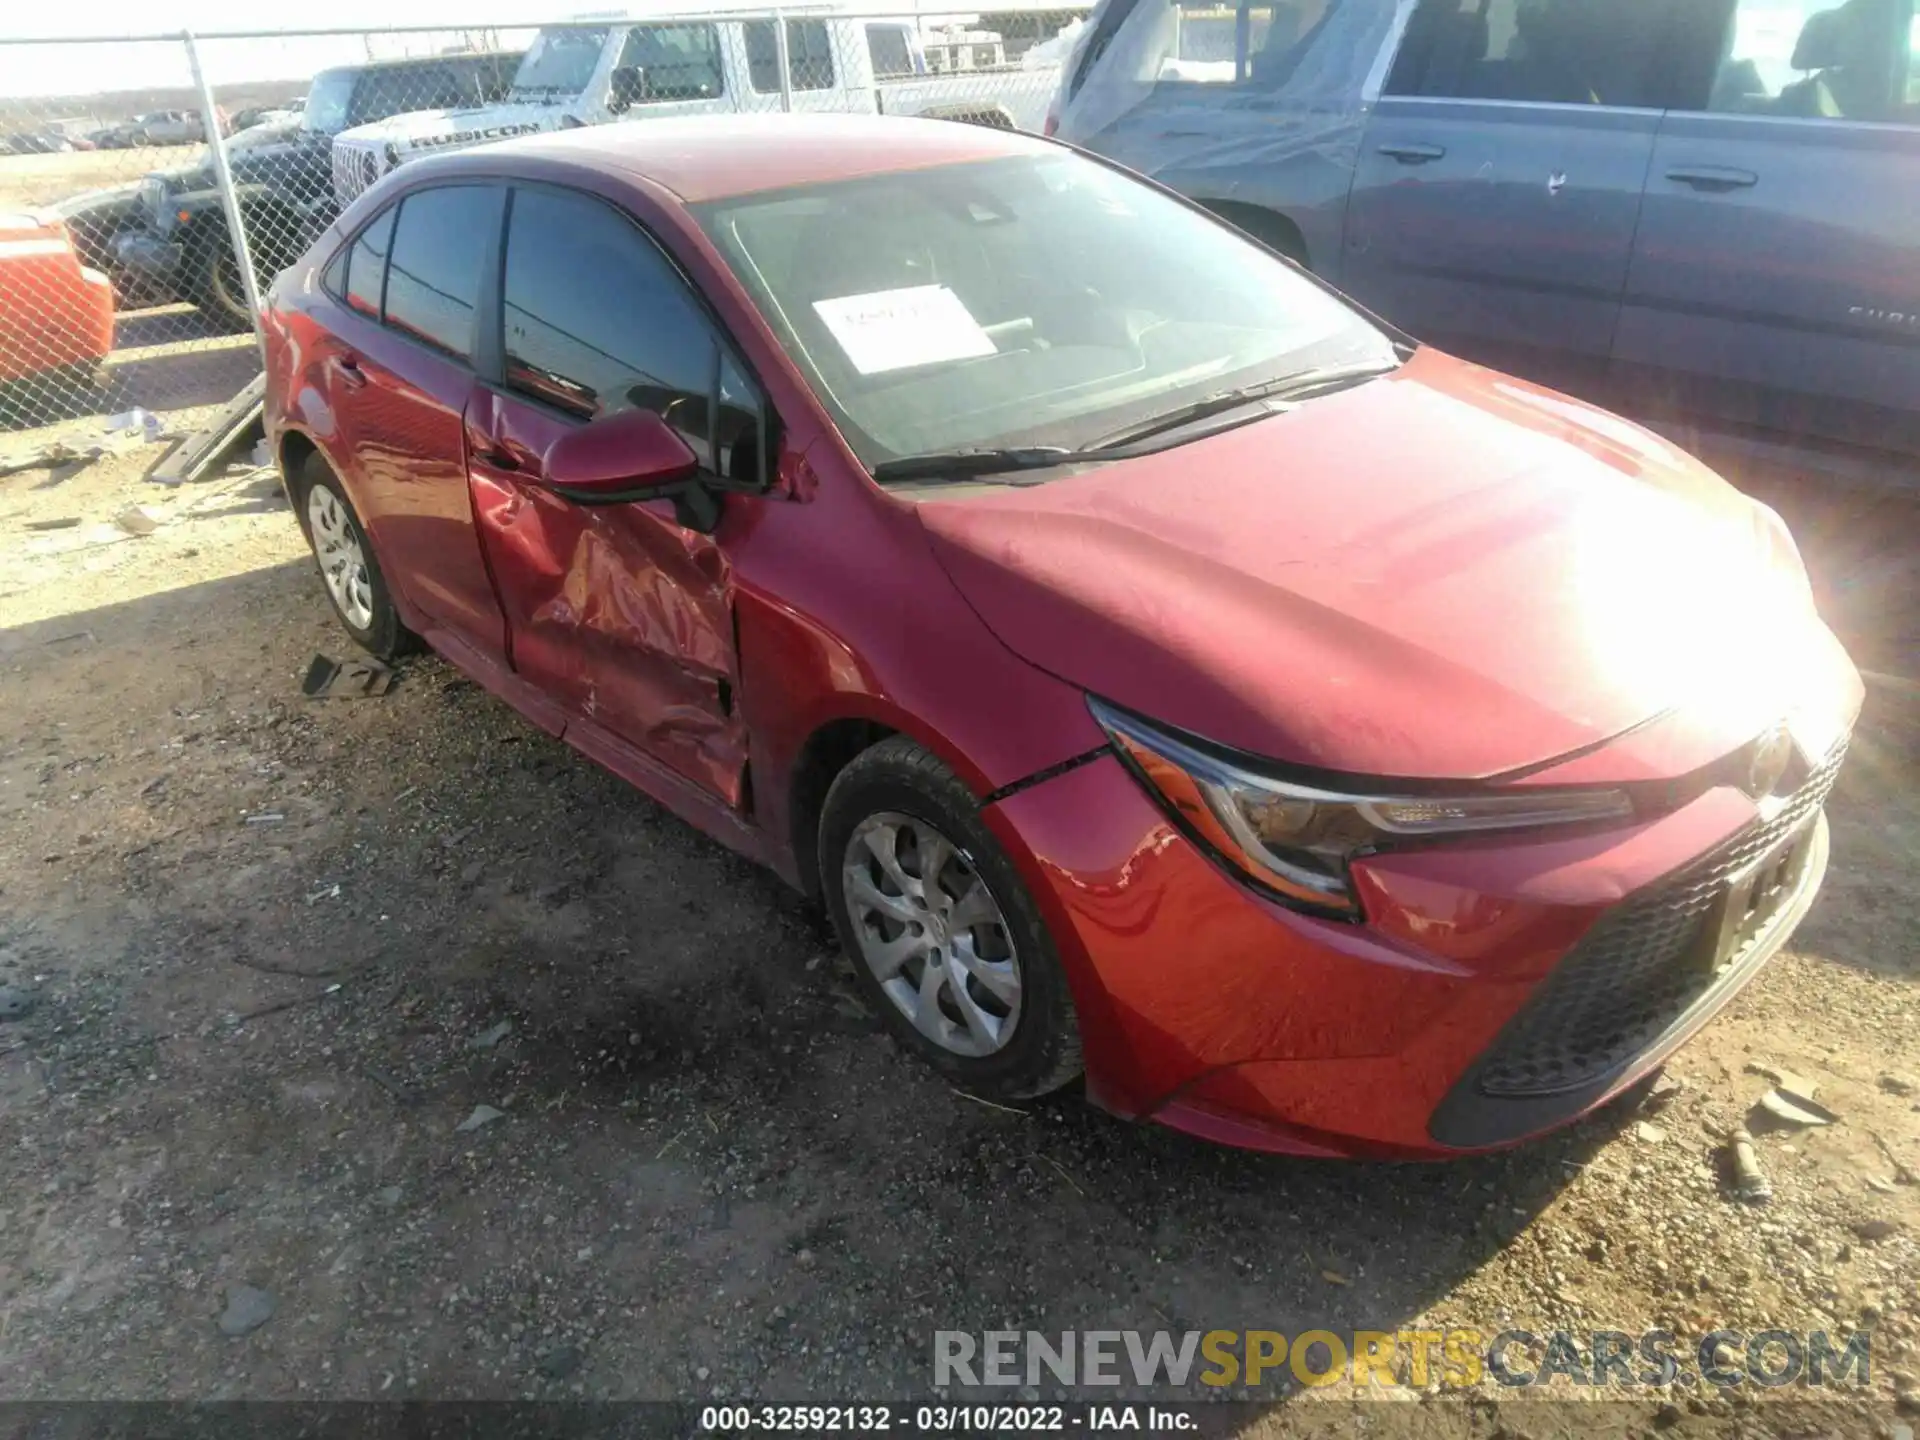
262, 960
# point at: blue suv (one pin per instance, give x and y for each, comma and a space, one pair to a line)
1705, 211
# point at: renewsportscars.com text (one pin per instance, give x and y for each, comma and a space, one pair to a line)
1454, 1358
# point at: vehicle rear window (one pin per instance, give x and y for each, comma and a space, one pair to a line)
439, 247
597, 321
809, 55
367, 265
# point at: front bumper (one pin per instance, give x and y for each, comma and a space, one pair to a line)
153, 259
1209, 1009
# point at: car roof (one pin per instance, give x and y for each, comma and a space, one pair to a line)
712, 157
420, 62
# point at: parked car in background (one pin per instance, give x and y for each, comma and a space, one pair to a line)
590, 74
1708, 211
1157, 667
56, 319
34, 142
167, 127
169, 235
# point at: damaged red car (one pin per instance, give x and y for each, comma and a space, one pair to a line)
1162, 671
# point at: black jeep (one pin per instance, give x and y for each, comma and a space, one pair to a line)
168, 237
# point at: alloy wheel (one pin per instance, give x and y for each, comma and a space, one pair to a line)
343, 563
932, 934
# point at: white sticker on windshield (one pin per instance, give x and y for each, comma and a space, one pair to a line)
895, 329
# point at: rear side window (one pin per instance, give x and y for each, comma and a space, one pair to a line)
809, 55
887, 50
367, 265
439, 247
1560, 52
676, 62
1820, 60
597, 321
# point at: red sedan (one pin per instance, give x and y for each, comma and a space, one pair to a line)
1160, 670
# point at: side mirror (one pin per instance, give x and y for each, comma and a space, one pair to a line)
629, 455
629, 85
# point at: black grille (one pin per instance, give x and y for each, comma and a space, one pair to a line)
1639, 969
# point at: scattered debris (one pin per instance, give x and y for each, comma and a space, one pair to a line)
491, 1037
64, 522
137, 520
389, 1197
1749, 1180
247, 1310
1784, 1079
1649, 1134
1902, 1173
329, 679
1334, 1277
266, 817
237, 423
14, 1002
325, 892
1880, 1183
1793, 1108
559, 1362
482, 1115
1664, 1091
150, 425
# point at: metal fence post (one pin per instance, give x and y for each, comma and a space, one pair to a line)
780, 50
229, 197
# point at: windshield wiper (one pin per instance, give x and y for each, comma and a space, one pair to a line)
958, 464
1302, 385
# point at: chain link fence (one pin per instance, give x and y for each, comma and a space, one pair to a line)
133, 244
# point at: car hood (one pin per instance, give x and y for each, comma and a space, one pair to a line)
1445, 573
435, 129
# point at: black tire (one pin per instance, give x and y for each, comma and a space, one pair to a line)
385, 636
215, 287
898, 777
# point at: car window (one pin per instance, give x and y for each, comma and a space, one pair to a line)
381, 93
888, 51
809, 55
439, 246
676, 62
597, 321
1817, 60
1255, 43
1037, 300
367, 265
1562, 52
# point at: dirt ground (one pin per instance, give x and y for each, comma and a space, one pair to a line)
273, 953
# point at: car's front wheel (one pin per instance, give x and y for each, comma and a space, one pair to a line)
215, 285
946, 943
347, 564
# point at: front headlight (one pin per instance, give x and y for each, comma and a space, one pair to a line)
1295, 841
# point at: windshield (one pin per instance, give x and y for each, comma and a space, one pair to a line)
1032, 301
560, 61
327, 101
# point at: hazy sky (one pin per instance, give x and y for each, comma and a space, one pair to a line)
121, 65
72, 69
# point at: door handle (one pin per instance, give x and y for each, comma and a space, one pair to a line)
1714, 178
351, 375
1412, 154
